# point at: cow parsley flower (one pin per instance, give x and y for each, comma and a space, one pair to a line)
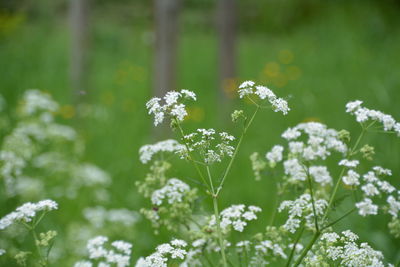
248, 88
148, 151
321, 175
275, 155
117, 253
172, 192
204, 142
27, 212
164, 252
344, 251
301, 208
172, 107
349, 163
366, 207
352, 178
364, 114
236, 216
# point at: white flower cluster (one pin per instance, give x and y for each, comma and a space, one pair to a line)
87, 174
119, 254
172, 106
364, 114
99, 216
236, 216
174, 250
321, 175
35, 101
202, 141
263, 249
301, 208
148, 151
26, 212
320, 143
275, 155
172, 192
371, 185
346, 252
248, 88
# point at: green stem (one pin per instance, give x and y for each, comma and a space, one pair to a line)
312, 200
332, 198
42, 262
305, 251
236, 151
191, 158
294, 246
339, 219
219, 232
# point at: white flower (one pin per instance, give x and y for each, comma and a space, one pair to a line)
173, 191
370, 190
106, 257
172, 106
364, 114
321, 174
236, 216
366, 207
352, 178
394, 206
148, 151
263, 92
349, 163
275, 155
2, 251
26, 212
246, 88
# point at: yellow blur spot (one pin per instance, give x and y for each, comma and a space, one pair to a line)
108, 98
10, 22
293, 72
229, 86
312, 119
130, 72
280, 80
285, 56
67, 111
195, 114
128, 105
272, 69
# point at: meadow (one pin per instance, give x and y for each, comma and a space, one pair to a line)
347, 52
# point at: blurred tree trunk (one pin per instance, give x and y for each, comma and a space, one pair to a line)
226, 21
166, 14
79, 23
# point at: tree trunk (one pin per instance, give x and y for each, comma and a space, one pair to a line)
79, 14
166, 34
226, 20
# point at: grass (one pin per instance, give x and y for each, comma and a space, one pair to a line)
349, 52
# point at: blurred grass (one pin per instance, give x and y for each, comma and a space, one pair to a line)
348, 52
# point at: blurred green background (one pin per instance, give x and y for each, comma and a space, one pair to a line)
319, 54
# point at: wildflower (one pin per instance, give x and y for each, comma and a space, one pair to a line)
321, 175
247, 88
366, 207
364, 114
236, 216
275, 155
257, 164
98, 252
173, 191
148, 151
26, 212
349, 163
172, 106
352, 178
301, 208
